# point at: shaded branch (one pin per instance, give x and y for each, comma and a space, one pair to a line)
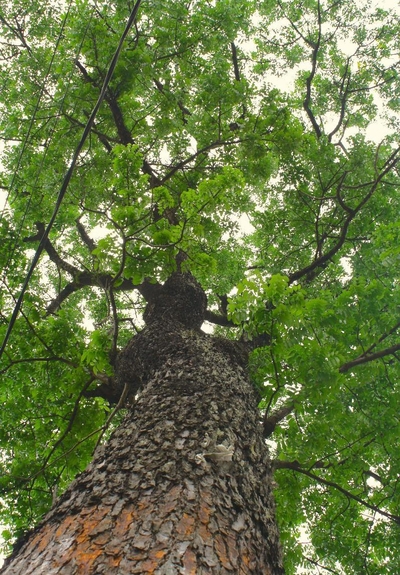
100, 280
123, 131
18, 32
323, 260
295, 466
218, 319
51, 251
344, 91
367, 358
37, 359
86, 278
271, 421
192, 157
87, 240
310, 78
235, 62
321, 566
383, 337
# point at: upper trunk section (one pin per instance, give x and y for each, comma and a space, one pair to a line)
184, 485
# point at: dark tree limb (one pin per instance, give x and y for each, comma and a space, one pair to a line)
103, 138
344, 93
369, 357
270, 423
320, 566
38, 359
235, 62
195, 155
18, 33
296, 466
382, 338
307, 100
296, 29
218, 319
124, 134
100, 280
320, 262
51, 251
87, 240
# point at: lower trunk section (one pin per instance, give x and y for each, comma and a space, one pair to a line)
182, 487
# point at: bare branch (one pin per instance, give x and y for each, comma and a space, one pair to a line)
383, 337
344, 91
321, 566
38, 359
18, 32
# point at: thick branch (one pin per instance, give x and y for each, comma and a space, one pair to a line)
87, 240
101, 280
18, 32
218, 319
192, 157
270, 422
367, 358
38, 359
344, 91
235, 62
51, 251
383, 337
307, 100
323, 260
124, 133
321, 566
295, 466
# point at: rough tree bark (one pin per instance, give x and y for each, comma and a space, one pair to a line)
184, 484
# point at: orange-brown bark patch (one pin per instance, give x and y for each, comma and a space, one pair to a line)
232, 549
65, 525
220, 548
43, 538
185, 525
190, 562
114, 561
204, 514
85, 559
153, 562
124, 521
172, 497
205, 534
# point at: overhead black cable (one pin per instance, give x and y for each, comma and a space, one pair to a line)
69, 173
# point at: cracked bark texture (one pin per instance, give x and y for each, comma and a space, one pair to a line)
183, 486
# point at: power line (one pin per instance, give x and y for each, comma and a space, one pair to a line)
69, 173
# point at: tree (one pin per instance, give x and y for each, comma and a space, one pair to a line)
232, 176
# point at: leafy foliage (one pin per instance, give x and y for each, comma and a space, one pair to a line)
237, 140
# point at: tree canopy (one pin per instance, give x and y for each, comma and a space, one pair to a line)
254, 144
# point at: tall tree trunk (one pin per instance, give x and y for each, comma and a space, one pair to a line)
184, 484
